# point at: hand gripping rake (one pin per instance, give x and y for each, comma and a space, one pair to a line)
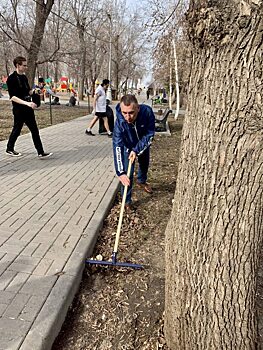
114, 261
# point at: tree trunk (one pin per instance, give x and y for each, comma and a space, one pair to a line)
116, 70
56, 72
6, 62
214, 234
176, 81
43, 9
82, 73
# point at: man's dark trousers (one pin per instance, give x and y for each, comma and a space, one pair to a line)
143, 161
20, 118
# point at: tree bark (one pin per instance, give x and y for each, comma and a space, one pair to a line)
215, 231
43, 9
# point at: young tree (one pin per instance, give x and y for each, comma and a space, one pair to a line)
215, 231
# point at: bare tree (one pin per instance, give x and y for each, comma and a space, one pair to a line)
55, 42
215, 231
81, 12
16, 17
171, 51
128, 45
74, 39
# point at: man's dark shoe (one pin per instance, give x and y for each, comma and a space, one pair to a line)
146, 187
129, 208
44, 155
13, 153
89, 133
110, 135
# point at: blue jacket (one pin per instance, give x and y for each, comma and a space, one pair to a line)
135, 137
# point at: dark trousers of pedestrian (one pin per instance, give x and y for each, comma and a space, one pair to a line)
28, 118
143, 162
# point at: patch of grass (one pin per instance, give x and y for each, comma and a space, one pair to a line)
59, 114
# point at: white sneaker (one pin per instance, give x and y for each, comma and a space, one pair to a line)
44, 155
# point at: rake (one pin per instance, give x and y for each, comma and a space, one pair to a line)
114, 261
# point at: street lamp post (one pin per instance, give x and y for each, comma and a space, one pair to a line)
109, 94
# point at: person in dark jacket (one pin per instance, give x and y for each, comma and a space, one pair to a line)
72, 101
132, 137
110, 116
23, 109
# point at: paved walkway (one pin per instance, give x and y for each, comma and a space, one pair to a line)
50, 213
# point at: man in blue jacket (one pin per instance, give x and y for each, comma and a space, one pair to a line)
132, 138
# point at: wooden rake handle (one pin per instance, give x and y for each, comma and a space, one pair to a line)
122, 210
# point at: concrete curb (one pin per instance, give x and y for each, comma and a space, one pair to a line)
52, 315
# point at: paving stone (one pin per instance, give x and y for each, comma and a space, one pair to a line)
56, 267
17, 282
6, 278
3, 240
20, 267
8, 257
6, 297
32, 232
32, 308
41, 250
12, 332
2, 308
45, 236
57, 253
17, 305
30, 249
38, 285
43, 267
13, 222
6, 261
24, 264
27, 260
20, 233
6, 233
12, 247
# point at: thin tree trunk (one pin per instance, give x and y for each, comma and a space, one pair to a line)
170, 80
176, 81
56, 72
215, 231
117, 67
82, 76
